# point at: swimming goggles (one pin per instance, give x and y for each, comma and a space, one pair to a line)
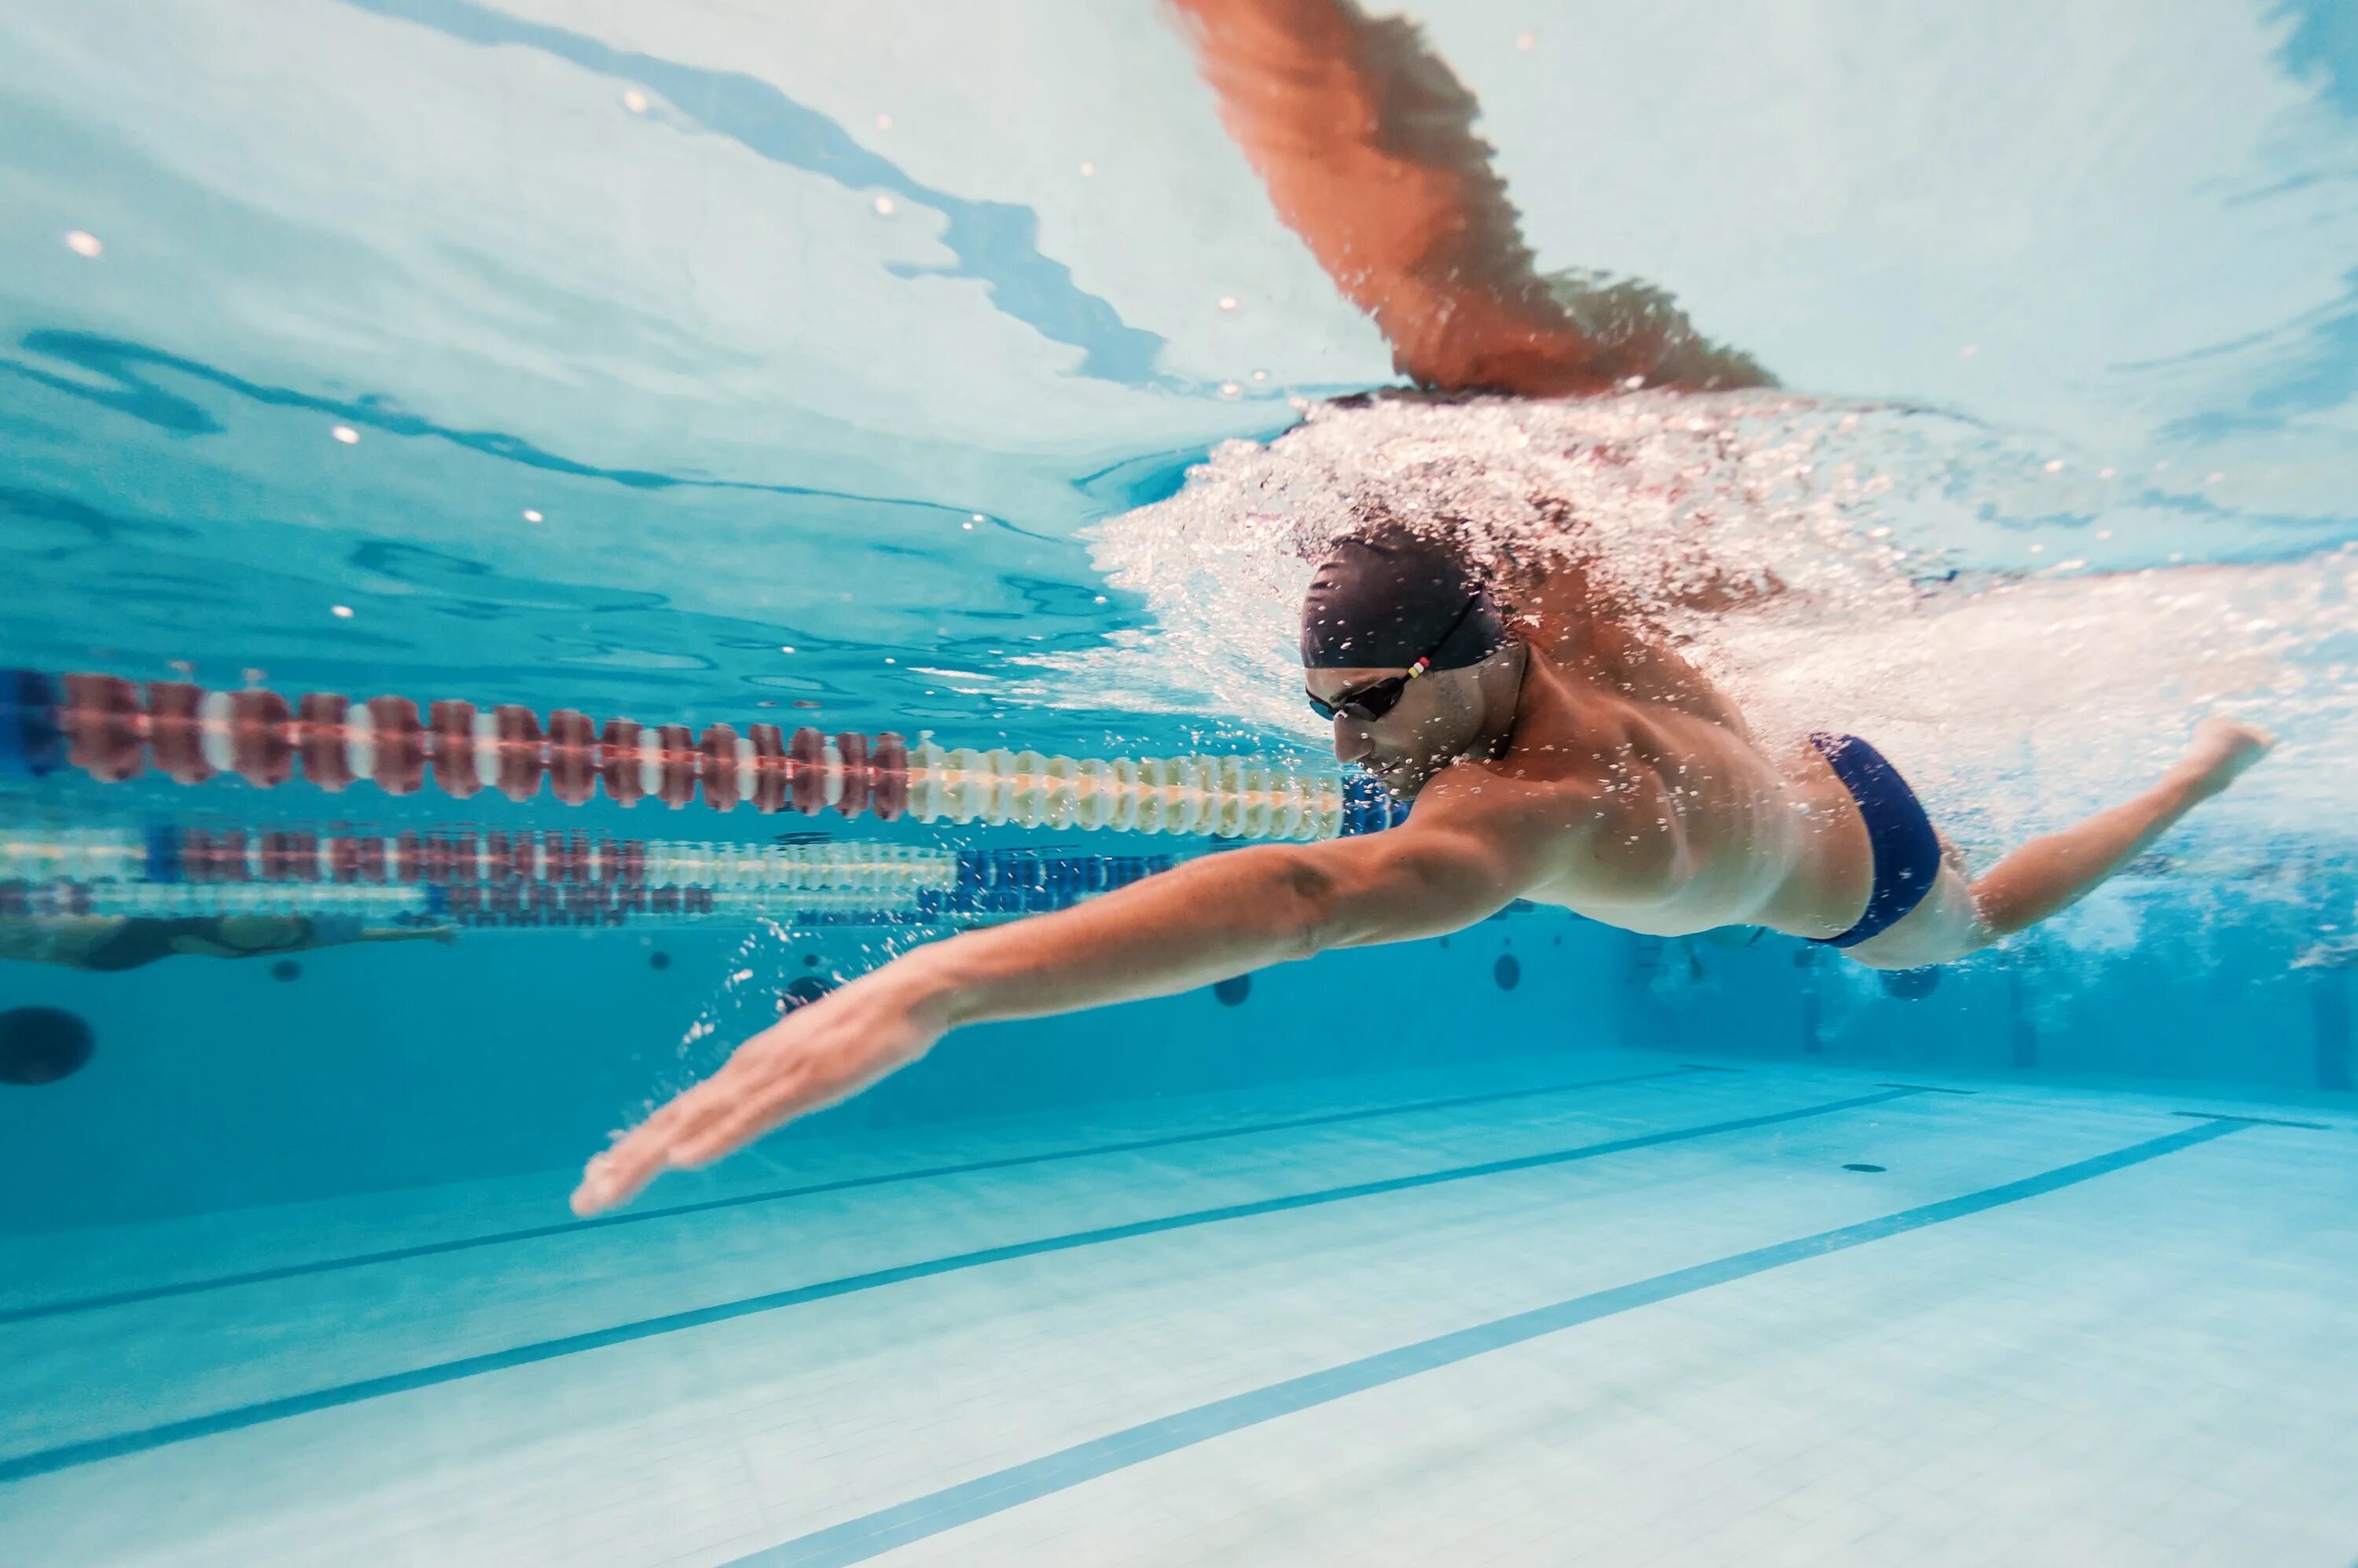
1376, 698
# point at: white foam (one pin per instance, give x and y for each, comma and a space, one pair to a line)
1898, 557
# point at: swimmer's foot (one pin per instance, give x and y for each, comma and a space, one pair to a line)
2223, 749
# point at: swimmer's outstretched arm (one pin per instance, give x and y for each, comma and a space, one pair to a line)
1202, 921
1365, 143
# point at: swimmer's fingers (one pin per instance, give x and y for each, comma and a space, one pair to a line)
622, 1171
618, 1175
660, 1142
793, 1083
744, 1123
820, 1055
823, 1053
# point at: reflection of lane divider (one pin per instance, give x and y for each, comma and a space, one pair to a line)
172, 854
528, 879
113, 729
181, 901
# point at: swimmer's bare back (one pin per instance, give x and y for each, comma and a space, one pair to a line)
1365, 141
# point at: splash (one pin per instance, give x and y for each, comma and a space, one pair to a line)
2020, 629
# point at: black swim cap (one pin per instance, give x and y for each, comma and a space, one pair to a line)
1386, 597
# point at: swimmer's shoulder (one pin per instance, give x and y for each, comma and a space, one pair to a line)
1573, 838
1553, 794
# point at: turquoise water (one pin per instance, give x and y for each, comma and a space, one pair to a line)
945, 372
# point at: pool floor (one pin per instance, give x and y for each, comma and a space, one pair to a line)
1601, 1308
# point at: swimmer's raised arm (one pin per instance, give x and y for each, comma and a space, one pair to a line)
1201, 922
1365, 140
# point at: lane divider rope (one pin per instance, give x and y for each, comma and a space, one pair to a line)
114, 729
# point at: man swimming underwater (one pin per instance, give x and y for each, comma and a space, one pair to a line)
1556, 748
1593, 772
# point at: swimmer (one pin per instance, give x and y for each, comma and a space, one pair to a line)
110, 944
1558, 747
1599, 774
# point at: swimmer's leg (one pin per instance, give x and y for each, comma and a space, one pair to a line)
2052, 873
2049, 874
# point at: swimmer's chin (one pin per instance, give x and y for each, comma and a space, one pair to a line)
1402, 781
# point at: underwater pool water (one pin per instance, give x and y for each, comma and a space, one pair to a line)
858, 391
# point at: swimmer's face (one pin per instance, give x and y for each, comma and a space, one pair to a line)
1436, 720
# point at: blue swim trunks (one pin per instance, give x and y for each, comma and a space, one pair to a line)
1907, 851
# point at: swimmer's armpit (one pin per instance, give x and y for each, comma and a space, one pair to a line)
1365, 142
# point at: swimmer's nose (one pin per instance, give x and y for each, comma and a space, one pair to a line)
1351, 742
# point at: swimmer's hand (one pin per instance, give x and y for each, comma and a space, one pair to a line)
817, 1054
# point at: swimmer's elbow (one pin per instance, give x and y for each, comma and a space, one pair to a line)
1386, 892
1306, 904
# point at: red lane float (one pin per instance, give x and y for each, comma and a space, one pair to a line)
115, 728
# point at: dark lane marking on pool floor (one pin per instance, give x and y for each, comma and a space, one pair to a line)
936, 1513
66, 1456
2252, 1120
775, 1195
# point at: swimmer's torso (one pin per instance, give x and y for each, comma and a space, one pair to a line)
1665, 788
